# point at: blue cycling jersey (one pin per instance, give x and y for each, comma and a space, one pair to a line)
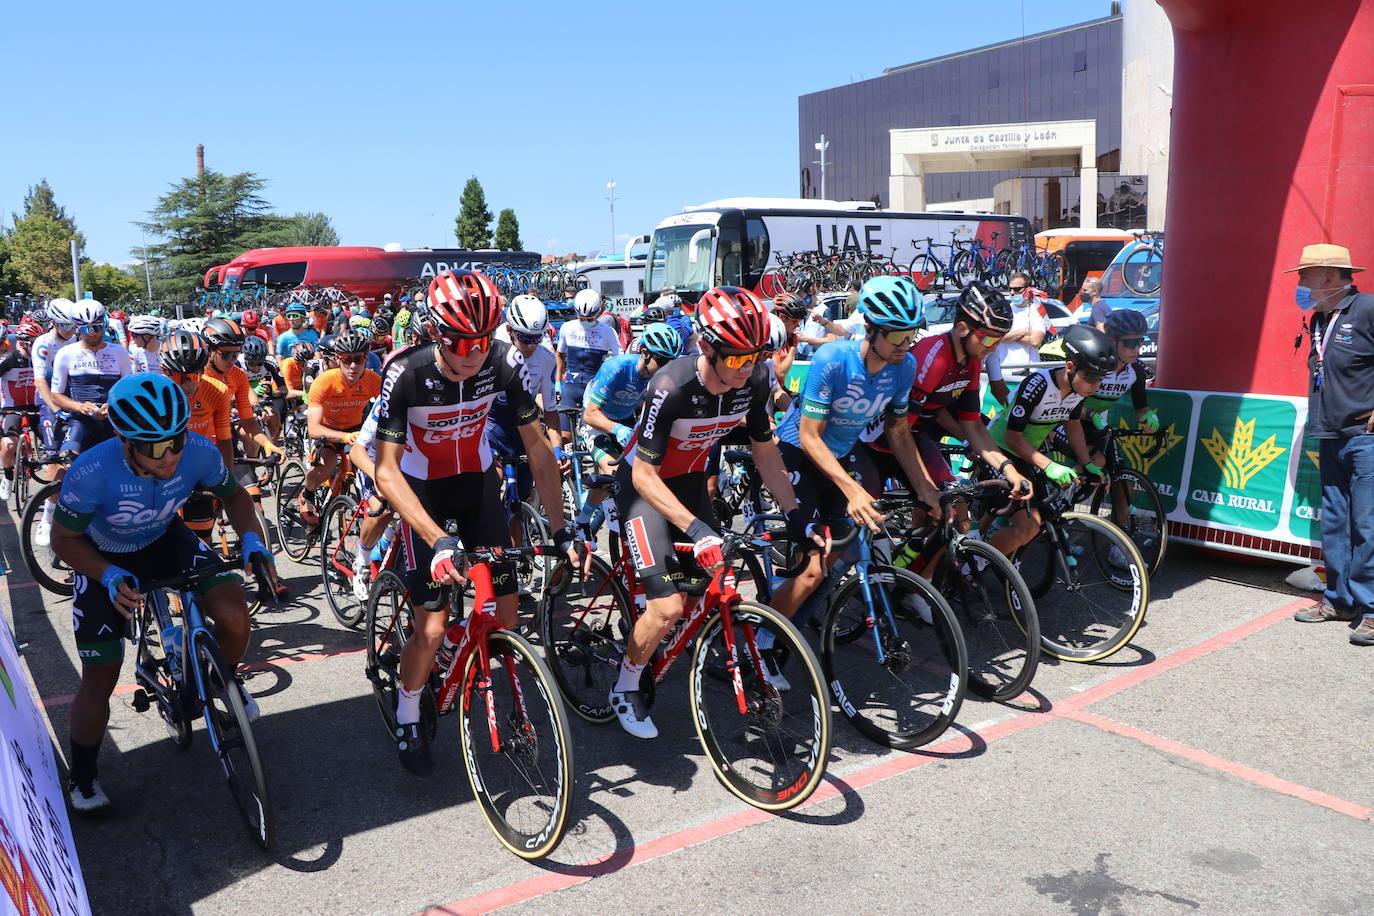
840, 391
123, 512
288, 340
618, 388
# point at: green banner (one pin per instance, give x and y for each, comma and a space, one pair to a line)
1240, 466
1162, 464
1305, 518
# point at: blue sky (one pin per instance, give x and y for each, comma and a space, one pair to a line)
377, 114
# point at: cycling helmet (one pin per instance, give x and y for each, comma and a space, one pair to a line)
464, 303
730, 317
40, 315
148, 407
653, 313
185, 351
353, 341
118, 315
384, 314
302, 350
980, 306
662, 341
526, 314
1126, 323
778, 335
326, 346
588, 303
791, 305
86, 312
254, 349
146, 324
249, 319
295, 311
28, 328
194, 325
1089, 349
223, 332
360, 321
892, 303
59, 306
111, 336
670, 301
402, 320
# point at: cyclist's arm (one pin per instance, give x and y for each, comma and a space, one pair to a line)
648, 484
773, 472
596, 418
1023, 449
815, 448
1077, 441
362, 460
40, 386
238, 508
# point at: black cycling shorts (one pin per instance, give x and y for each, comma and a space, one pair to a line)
650, 536
473, 500
820, 497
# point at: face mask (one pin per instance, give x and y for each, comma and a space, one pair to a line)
588, 322
1018, 301
1303, 296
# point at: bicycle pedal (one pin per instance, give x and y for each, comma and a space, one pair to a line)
140, 701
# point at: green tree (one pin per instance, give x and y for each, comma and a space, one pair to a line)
508, 231
107, 283
205, 221
308, 229
39, 244
473, 226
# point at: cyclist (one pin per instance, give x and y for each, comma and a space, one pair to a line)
252, 327
146, 334
51, 421
183, 361
117, 323
691, 404
266, 383
83, 375
1045, 399
297, 331
116, 527
782, 344
293, 370
583, 345
433, 465
16, 390
226, 343
338, 401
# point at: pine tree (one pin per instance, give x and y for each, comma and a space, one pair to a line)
39, 245
473, 226
508, 231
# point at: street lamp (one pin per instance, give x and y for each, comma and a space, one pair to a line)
822, 147
610, 186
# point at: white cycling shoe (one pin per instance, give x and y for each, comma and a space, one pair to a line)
633, 713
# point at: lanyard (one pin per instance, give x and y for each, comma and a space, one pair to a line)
1320, 342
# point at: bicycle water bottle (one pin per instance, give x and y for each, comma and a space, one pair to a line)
909, 553
452, 636
379, 551
171, 647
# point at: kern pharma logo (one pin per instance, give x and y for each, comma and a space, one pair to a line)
1241, 480
1240, 459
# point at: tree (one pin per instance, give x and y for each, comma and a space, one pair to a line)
205, 221
508, 231
473, 226
308, 229
107, 283
39, 245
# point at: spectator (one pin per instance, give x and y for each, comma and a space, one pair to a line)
1021, 345
1340, 416
1091, 297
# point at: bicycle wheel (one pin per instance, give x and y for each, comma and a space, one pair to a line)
339, 547
390, 621
963, 268
583, 625
1143, 271
532, 572
517, 746
44, 565
924, 271
910, 696
772, 754
1141, 511
1090, 608
1051, 275
157, 680
231, 737
295, 535
997, 615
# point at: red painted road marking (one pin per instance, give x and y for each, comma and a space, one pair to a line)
538, 886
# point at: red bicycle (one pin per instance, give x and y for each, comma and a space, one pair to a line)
758, 699
513, 732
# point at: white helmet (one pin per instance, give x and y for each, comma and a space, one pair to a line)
777, 333
526, 314
87, 311
146, 324
60, 311
194, 325
588, 304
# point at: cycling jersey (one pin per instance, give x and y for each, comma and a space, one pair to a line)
441, 422
536, 373
83, 374
143, 361
1037, 408
236, 380
289, 339
1128, 378
584, 348
122, 511
265, 380
210, 410
681, 420
293, 373
618, 388
45, 350
343, 404
16, 380
842, 392
941, 381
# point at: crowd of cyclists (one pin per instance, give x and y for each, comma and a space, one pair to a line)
157, 427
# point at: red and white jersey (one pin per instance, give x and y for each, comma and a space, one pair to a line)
16, 380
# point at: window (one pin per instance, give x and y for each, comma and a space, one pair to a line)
681, 258
292, 274
612, 287
1080, 61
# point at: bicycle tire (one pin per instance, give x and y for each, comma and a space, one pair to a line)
584, 623
1083, 617
167, 691
339, 545
1135, 266
390, 621
1050, 276
894, 712
924, 270
295, 535
783, 739
1148, 530
530, 811
231, 737
42, 563
963, 268
997, 616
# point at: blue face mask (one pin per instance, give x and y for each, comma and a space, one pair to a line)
1306, 301
1017, 301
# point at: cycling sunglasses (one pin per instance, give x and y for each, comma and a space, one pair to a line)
462, 346
158, 449
899, 338
228, 353
1130, 343
988, 340
529, 338
352, 359
181, 378
740, 360
1092, 378
91, 328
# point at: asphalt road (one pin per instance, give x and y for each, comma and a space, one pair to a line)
1220, 763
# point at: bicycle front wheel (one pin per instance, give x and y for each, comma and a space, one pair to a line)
43, 564
517, 746
997, 615
1143, 271
390, 621
1134, 505
584, 622
231, 737
769, 739
295, 535
1098, 587
895, 659
339, 546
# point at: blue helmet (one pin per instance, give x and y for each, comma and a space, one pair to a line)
893, 303
661, 340
148, 407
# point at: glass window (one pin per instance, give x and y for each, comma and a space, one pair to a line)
612, 287
681, 258
292, 274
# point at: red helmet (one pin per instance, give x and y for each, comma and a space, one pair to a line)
464, 303
29, 328
249, 319
730, 317
117, 314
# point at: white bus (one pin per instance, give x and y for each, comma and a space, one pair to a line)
620, 282
733, 242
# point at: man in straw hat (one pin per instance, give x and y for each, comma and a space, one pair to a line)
1340, 413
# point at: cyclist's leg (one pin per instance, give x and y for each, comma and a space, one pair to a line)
222, 597
817, 496
650, 538
1024, 526
326, 461
199, 514
9, 442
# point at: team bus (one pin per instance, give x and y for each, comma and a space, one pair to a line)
367, 271
734, 241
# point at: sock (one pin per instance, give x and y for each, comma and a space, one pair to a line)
47, 512
764, 639
84, 763
408, 706
629, 677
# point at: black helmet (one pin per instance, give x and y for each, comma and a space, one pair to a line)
354, 341
326, 345
981, 306
1089, 349
223, 332
185, 351
791, 305
1126, 323
254, 349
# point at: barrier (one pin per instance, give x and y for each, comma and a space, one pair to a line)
39, 871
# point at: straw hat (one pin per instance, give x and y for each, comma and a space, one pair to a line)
1324, 256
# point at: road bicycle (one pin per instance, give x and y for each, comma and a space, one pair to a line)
30, 460
42, 562
513, 732
165, 651
1143, 270
768, 746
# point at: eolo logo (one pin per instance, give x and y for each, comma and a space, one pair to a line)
1141, 453
1240, 459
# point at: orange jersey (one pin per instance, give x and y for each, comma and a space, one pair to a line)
280, 325
236, 380
320, 322
293, 373
343, 404
210, 410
